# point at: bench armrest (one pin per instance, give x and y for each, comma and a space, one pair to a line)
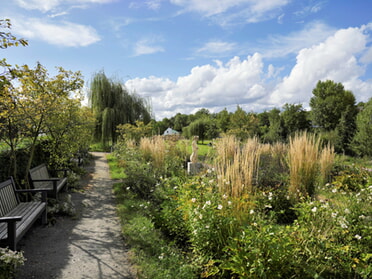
10, 219
46, 179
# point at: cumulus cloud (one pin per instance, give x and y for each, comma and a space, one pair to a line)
336, 59
219, 85
62, 34
340, 57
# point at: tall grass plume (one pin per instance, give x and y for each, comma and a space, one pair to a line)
303, 155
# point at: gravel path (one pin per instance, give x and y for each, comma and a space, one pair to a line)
87, 246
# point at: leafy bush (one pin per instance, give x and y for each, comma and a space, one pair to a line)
351, 179
261, 250
9, 261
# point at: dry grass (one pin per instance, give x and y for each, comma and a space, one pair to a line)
303, 155
154, 149
237, 165
326, 161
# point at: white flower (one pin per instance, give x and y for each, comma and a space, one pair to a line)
128, 188
334, 214
219, 206
207, 226
268, 206
334, 190
251, 211
357, 236
193, 200
229, 202
347, 211
208, 202
314, 209
224, 196
200, 216
344, 226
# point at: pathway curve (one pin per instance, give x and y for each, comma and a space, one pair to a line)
88, 246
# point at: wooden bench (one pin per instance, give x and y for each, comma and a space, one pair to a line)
16, 217
40, 179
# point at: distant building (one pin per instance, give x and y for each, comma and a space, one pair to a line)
170, 131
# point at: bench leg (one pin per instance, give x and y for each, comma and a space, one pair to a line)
12, 236
44, 217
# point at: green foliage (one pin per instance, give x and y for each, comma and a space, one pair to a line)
243, 124
208, 216
185, 224
329, 102
276, 127
261, 250
41, 105
9, 262
116, 171
352, 179
295, 119
134, 132
362, 140
204, 128
6, 38
113, 105
154, 255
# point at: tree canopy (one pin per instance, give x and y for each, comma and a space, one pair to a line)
112, 105
329, 101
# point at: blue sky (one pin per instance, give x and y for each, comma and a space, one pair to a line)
183, 55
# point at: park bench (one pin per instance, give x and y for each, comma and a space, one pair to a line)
17, 217
40, 178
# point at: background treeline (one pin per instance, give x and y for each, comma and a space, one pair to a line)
334, 115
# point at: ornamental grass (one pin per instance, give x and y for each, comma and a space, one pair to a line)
303, 156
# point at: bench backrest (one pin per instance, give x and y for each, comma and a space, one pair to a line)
8, 197
39, 172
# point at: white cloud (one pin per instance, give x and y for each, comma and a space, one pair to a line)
62, 34
282, 45
147, 46
225, 12
216, 47
207, 86
49, 5
310, 9
41, 5
254, 86
334, 59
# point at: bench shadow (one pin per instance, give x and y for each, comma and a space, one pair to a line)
88, 245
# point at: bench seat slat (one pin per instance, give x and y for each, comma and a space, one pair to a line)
29, 211
16, 217
41, 179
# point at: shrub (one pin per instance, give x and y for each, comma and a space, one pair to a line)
261, 250
9, 261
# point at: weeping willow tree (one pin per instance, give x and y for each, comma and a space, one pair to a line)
113, 105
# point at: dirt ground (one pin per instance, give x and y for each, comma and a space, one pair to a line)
86, 246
